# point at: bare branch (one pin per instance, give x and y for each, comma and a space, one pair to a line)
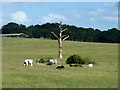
55, 35
60, 26
66, 38
64, 29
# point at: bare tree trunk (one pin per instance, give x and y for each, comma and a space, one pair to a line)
60, 40
60, 44
60, 49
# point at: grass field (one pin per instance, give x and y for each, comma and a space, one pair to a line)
14, 75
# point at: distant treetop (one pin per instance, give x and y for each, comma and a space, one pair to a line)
75, 33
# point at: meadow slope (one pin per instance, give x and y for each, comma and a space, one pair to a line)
14, 75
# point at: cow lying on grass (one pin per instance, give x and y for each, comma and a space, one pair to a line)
28, 61
60, 67
75, 65
52, 61
90, 65
49, 64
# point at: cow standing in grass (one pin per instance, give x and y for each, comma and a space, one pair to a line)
28, 61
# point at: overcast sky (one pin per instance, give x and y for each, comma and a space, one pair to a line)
100, 15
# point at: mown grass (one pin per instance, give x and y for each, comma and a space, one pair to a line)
14, 75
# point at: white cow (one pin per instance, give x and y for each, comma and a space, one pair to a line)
28, 61
53, 61
90, 65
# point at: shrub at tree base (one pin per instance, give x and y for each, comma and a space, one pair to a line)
43, 60
76, 59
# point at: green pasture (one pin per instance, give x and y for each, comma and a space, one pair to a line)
104, 74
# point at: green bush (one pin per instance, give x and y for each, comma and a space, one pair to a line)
75, 59
43, 60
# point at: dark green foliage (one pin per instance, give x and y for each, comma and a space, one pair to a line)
43, 60
75, 33
11, 28
76, 59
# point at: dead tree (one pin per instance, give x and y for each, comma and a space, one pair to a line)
61, 38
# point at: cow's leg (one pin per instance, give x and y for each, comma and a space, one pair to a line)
26, 63
31, 64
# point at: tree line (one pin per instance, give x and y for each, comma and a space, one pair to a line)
75, 33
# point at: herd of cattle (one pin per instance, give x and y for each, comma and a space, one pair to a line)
30, 61
50, 62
